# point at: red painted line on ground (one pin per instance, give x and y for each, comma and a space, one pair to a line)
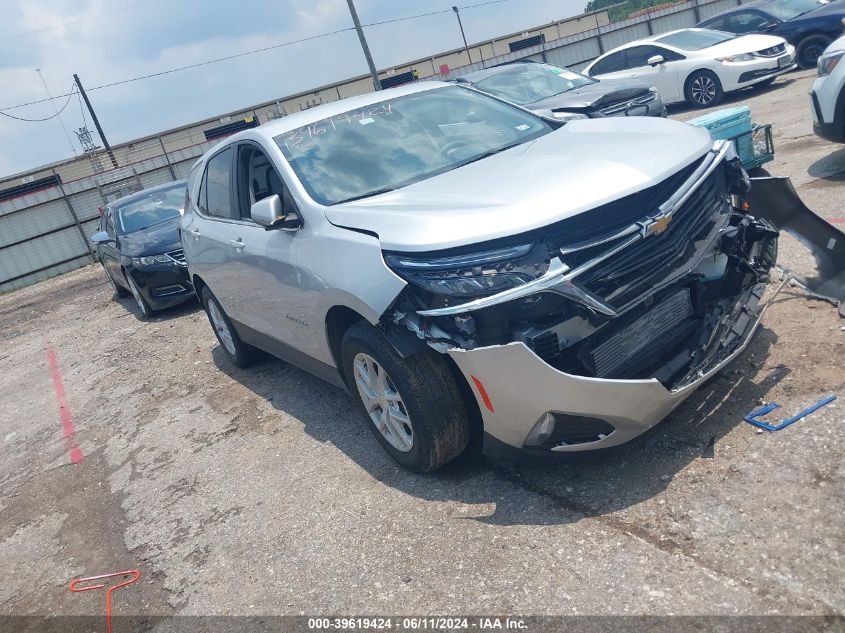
64, 407
836, 220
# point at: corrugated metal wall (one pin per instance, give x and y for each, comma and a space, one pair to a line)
43, 234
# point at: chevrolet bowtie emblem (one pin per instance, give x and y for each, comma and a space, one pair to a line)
659, 225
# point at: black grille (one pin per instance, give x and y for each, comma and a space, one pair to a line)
621, 107
177, 256
630, 273
772, 51
619, 214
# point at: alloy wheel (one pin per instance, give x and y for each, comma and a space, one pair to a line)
703, 90
221, 327
383, 403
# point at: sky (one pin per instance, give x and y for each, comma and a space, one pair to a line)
110, 40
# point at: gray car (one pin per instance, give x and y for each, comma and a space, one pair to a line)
466, 268
564, 94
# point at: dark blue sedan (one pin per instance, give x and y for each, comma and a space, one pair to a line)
809, 25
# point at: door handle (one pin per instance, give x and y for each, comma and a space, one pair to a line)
237, 244
194, 232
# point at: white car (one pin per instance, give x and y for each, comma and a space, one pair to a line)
828, 93
698, 65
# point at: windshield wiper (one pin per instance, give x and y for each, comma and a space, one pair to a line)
492, 152
369, 194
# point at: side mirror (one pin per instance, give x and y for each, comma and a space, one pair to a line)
656, 60
101, 237
268, 213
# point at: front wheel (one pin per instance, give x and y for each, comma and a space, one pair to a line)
119, 291
143, 306
703, 89
809, 50
413, 404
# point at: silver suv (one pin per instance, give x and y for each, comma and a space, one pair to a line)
466, 268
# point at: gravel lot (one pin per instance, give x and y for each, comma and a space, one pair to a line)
261, 491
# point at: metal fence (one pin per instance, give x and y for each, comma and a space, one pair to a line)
45, 220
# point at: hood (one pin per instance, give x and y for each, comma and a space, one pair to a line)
594, 95
743, 44
584, 164
157, 239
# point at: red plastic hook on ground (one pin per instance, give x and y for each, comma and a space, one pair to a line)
134, 573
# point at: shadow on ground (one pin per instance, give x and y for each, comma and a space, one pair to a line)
569, 488
830, 168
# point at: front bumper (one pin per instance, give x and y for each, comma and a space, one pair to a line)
163, 285
520, 388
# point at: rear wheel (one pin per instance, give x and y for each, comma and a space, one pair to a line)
809, 50
239, 353
413, 404
145, 310
703, 89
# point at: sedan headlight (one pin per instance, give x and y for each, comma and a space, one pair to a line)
741, 57
150, 260
472, 275
569, 116
828, 62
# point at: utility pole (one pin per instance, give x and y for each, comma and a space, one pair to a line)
463, 35
363, 40
96, 120
56, 110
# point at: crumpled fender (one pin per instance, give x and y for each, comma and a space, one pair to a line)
775, 200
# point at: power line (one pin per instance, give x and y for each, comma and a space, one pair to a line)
52, 116
220, 59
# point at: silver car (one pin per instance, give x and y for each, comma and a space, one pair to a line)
467, 269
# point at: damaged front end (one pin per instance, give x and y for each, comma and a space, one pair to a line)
588, 332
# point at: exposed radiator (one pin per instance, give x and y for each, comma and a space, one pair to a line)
657, 326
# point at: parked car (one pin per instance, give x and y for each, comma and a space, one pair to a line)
809, 25
697, 65
464, 266
139, 247
565, 94
828, 94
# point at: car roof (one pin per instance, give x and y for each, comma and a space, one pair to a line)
652, 39
478, 75
140, 195
753, 4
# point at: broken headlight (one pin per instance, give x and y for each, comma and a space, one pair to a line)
471, 275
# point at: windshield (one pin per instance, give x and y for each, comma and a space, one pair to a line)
695, 40
400, 141
526, 83
154, 208
788, 9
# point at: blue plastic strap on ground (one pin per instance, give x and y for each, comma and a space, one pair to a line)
752, 417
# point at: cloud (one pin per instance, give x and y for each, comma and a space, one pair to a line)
104, 42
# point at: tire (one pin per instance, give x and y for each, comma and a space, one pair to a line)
119, 291
810, 49
423, 398
145, 311
240, 354
703, 89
